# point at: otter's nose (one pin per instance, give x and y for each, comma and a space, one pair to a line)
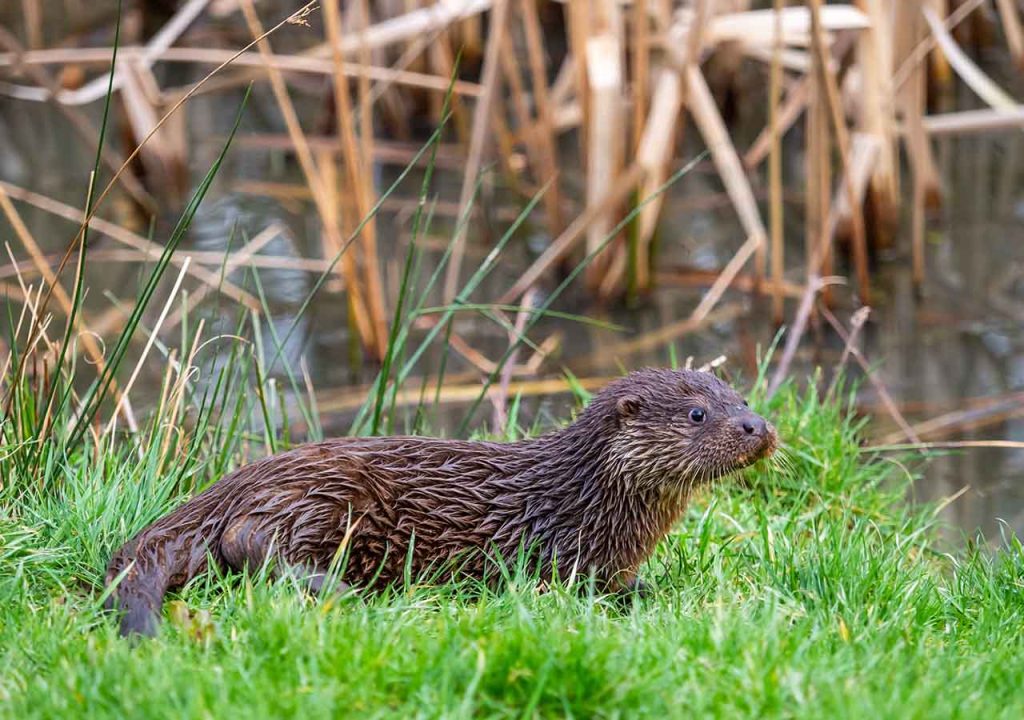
753, 424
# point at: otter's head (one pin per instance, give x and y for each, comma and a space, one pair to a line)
681, 427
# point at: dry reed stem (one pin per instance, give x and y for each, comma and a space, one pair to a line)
213, 258
775, 168
658, 339
32, 13
357, 161
366, 142
795, 103
917, 232
28, 311
796, 331
174, 393
641, 69
564, 243
460, 345
972, 75
162, 156
161, 405
876, 106
444, 65
404, 207
653, 155
322, 198
755, 27
833, 101
544, 129
953, 445
921, 50
149, 249
471, 35
478, 138
744, 283
924, 174
408, 26
612, 281
821, 248
857, 322
508, 157
577, 22
527, 129
938, 66
499, 394
448, 157
723, 153
816, 182
864, 152
604, 141
186, 370
563, 87
695, 34
216, 56
545, 349
724, 280
912, 104
972, 121
883, 392
974, 416
1010, 14
23, 234
153, 333
792, 107
451, 393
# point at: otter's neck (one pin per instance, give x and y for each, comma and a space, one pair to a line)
590, 511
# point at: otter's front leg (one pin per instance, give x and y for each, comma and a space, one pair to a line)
637, 587
629, 591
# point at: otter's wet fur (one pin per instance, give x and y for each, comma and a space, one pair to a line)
595, 496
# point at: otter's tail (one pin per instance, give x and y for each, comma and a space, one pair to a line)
162, 557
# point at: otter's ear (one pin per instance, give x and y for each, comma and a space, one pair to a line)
627, 406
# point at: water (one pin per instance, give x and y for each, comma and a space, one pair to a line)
960, 344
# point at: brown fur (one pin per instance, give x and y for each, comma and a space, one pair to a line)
595, 496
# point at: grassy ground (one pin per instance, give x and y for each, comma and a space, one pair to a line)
806, 591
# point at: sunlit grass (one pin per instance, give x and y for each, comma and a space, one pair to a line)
807, 588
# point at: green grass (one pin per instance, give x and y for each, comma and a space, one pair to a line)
807, 590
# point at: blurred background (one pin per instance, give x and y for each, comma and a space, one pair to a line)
621, 182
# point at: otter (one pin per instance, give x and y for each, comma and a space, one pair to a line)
595, 496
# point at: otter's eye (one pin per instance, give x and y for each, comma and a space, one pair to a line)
697, 415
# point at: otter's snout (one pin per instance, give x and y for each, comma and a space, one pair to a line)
752, 424
757, 431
